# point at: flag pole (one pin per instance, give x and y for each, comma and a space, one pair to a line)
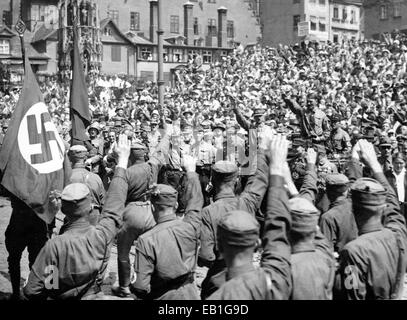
20, 28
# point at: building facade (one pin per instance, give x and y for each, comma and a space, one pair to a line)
292, 21
120, 37
384, 16
346, 20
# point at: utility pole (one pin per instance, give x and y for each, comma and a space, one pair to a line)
160, 33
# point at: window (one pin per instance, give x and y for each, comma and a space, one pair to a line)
7, 18
230, 29
397, 9
296, 1
107, 32
174, 24
211, 1
212, 27
352, 17
313, 23
196, 27
313, 1
296, 20
322, 2
146, 53
207, 57
116, 53
322, 24
114, 15
4, 46
336, 13
178, 55
336, 38
383, 12
344, 14
135, 21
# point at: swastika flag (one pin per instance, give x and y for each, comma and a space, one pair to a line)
32, 156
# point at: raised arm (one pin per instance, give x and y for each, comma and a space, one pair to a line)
309, 188
277, 250
193, 195
257, 185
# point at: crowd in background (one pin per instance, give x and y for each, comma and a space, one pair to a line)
335, 103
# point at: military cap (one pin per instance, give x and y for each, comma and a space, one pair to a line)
258, 112
164, 195
154, 123
76, 200
312, 96
188, 111
238, 228
225, 171
337, 182
119, 108
94, 125
304, 215
78, 152
368, 192
218, 125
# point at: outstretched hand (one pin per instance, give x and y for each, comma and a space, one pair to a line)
311, 156
122, 149
368, 155
278, 154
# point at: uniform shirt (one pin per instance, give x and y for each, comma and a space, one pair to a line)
338, 224
169, 250
93, 181
373, 265
313, 270
250, 201
272, 281
81, 254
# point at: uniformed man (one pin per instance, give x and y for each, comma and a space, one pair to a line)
77, 155
73, 265
314, 122
206, 154
312, 259
339, 138
373, 265
338, 223
95, 149
224, 179
166, 255
385, 154
137, 219
238, 233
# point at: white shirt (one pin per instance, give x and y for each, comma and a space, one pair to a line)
400, 184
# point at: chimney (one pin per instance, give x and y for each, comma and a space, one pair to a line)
222, 34
153, 20
188, 24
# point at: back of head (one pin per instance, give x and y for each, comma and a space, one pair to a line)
76, 200
238, 229
224, 172
336, 185
368, 198
77, 153
304, 217
164, 199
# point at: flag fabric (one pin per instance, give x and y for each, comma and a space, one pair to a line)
32, 156
80, 114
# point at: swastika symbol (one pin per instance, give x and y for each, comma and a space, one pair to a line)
39, 142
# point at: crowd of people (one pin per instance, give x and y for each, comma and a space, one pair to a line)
303, 147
